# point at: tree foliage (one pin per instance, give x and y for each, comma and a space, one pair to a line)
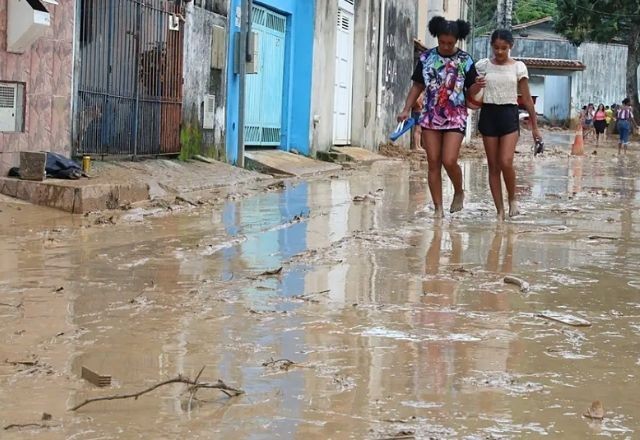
530, 10
485, 18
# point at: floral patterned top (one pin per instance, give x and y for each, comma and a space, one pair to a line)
446, 78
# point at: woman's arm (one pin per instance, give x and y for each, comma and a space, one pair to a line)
523, 86
414, 93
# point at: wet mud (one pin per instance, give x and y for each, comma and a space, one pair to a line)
339, 307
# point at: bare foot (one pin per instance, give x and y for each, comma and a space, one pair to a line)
513, 208
458, 202
438, 212
500, 216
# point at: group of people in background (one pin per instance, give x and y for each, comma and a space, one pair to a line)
446, 79
607, 120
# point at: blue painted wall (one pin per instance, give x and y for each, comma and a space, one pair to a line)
297, 81
557, 97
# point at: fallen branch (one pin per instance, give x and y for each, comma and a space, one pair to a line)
16, 306
523, 285
602, 237
26, 425
195, 385
25, 363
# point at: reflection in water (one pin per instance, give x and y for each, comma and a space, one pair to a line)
388, 315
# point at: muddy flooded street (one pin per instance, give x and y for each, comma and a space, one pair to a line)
339, 307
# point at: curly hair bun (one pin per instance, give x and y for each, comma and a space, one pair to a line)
440, 26
437, 25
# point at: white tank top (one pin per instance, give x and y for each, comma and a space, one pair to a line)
502, 81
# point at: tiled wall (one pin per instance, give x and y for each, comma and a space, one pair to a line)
46, 69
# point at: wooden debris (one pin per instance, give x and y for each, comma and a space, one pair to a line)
401, 435
273, 272
195, 385
602, 237
523, 285
565, 318
95, 378
595, 411
16, 306
26, 425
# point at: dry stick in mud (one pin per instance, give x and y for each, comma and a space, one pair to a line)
195, 385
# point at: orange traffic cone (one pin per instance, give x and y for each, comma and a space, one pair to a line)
578, 144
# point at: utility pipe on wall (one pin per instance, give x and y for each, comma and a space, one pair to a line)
381, 68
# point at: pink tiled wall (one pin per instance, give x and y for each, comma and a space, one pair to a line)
46, 69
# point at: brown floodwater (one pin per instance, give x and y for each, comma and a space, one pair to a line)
398, 325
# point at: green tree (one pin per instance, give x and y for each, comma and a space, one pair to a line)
485, 19
604, 21
530, 10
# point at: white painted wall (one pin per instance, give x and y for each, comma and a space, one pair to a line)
380, 83
604, 79
536, 87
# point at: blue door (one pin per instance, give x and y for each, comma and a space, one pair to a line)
263, 111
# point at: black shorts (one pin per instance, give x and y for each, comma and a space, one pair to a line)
498, 120
600, 126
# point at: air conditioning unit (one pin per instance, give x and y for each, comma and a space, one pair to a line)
27, 20
8, 107
209, 117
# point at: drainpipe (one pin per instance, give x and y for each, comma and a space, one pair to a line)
243, 51
381, 29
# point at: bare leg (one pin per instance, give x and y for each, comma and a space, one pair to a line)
507, 150
450, 151
491, 148
432, 143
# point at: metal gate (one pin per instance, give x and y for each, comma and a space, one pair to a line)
263, 112
130, 78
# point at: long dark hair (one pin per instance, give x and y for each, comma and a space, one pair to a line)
502, 34
441, 26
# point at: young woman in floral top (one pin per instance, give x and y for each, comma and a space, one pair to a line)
445, 74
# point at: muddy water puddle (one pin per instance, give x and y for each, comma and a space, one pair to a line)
339, 306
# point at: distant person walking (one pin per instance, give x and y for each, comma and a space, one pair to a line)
625, 123
608, 112
445, 74
499, 120
600, 122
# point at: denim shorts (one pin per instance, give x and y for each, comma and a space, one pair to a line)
624, 129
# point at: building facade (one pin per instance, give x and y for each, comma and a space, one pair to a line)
362, 66
278, 89
36, 67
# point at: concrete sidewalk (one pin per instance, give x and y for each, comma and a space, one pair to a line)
120, 183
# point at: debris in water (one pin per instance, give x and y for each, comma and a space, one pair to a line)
281, 364
401, 435
523, 285
602, 237
364, 198
461, 269
595, 411
565, 318
268, 273
95, 378
16, 306
195, 386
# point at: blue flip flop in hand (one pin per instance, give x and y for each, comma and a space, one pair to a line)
402, 128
